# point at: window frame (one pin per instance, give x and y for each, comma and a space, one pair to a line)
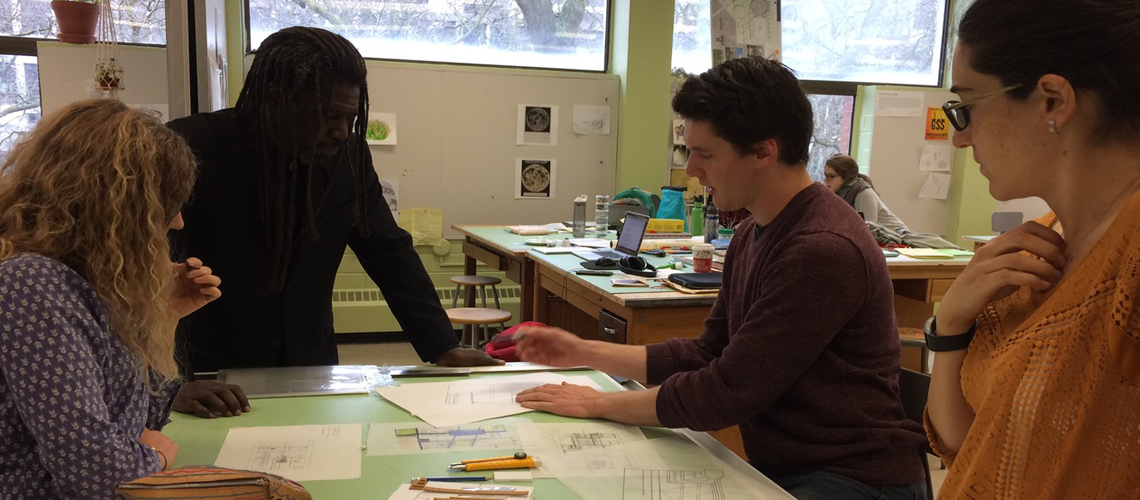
247, 48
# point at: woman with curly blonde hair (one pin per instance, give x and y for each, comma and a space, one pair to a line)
89, 300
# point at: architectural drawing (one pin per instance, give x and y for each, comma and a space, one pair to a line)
642, 484
281, 455
462, 437
485, 394
578, 441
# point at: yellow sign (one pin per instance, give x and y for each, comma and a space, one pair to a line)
937, 125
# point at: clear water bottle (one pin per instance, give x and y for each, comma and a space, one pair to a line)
602, 214
712, 221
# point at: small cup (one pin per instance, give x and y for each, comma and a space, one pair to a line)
702, 258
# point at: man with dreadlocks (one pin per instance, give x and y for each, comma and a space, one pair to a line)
285, 183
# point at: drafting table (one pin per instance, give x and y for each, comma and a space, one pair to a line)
200, 439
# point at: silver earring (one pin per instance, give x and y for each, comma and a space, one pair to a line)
1053, 129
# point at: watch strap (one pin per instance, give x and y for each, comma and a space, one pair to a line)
937, 343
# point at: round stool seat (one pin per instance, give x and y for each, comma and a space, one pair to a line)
477, 315
912, 335
475, 280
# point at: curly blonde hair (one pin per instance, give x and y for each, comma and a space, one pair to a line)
95, 186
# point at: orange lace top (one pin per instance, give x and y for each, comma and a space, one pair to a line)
1054, 382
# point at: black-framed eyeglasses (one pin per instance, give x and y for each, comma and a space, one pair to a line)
959, 112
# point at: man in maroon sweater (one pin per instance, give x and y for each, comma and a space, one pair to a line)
801, 348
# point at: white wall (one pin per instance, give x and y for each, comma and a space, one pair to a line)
67, 74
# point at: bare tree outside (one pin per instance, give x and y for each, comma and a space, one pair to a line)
137, 21
567, 34
828, 137
877, 41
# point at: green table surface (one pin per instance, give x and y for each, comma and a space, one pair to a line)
200, 439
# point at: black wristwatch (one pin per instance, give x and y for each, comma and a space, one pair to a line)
937, 343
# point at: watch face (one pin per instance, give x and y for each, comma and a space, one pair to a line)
535, 177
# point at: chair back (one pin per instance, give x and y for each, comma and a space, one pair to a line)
913, 389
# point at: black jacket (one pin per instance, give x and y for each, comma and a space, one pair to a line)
251, 326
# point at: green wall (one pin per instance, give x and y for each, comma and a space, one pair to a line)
641, 54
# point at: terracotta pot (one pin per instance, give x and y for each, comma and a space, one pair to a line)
77, 20
108, 83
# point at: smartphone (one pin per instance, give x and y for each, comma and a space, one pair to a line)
593, 272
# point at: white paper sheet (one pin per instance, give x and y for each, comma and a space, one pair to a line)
403, 492
415, 437
659, 469
591, 120
537, 125
444, 404
297, 452
899, 103
544, 439
936, 158
937, 187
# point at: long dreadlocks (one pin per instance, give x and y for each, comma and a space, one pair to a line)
299, 63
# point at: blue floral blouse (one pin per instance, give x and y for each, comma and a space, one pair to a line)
72, 402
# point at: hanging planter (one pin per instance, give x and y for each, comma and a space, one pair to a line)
108, 68
109, 75
77, 20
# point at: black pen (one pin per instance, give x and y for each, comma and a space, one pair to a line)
452, 479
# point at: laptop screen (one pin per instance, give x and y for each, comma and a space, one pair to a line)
629, 241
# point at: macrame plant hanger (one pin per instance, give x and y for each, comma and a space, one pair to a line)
108, 68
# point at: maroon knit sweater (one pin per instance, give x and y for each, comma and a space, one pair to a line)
800, 349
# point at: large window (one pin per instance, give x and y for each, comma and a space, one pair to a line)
559, 34
23, 23
868, 41
834, 46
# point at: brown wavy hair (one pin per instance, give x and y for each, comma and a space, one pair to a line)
95, 186
847, 168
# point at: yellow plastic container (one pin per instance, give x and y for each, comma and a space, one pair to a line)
666, 225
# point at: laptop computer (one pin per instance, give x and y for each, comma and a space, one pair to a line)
628, 243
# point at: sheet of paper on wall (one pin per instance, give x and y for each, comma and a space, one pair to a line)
936, 158
424, 224
381, 129
591, 120
936, 187
297, 452
537, 125
390, 190
899, 103
472, 491
444, 404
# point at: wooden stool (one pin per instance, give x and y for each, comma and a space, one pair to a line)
471, 318
480, 282
915, 337
476, 281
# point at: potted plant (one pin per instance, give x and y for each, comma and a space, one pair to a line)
77, 19
109, 75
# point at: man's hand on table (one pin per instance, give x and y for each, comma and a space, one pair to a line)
208, 399
568, 400
461, 356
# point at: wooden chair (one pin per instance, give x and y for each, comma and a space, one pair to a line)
472, 318
916, 338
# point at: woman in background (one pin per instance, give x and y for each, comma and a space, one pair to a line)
89, 299
1036, 385
841, 174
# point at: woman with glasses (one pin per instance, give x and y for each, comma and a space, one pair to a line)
841, 174
1036, 384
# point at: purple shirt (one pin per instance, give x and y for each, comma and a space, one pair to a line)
800, 349
72, 400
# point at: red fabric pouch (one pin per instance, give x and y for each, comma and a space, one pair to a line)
502, 346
